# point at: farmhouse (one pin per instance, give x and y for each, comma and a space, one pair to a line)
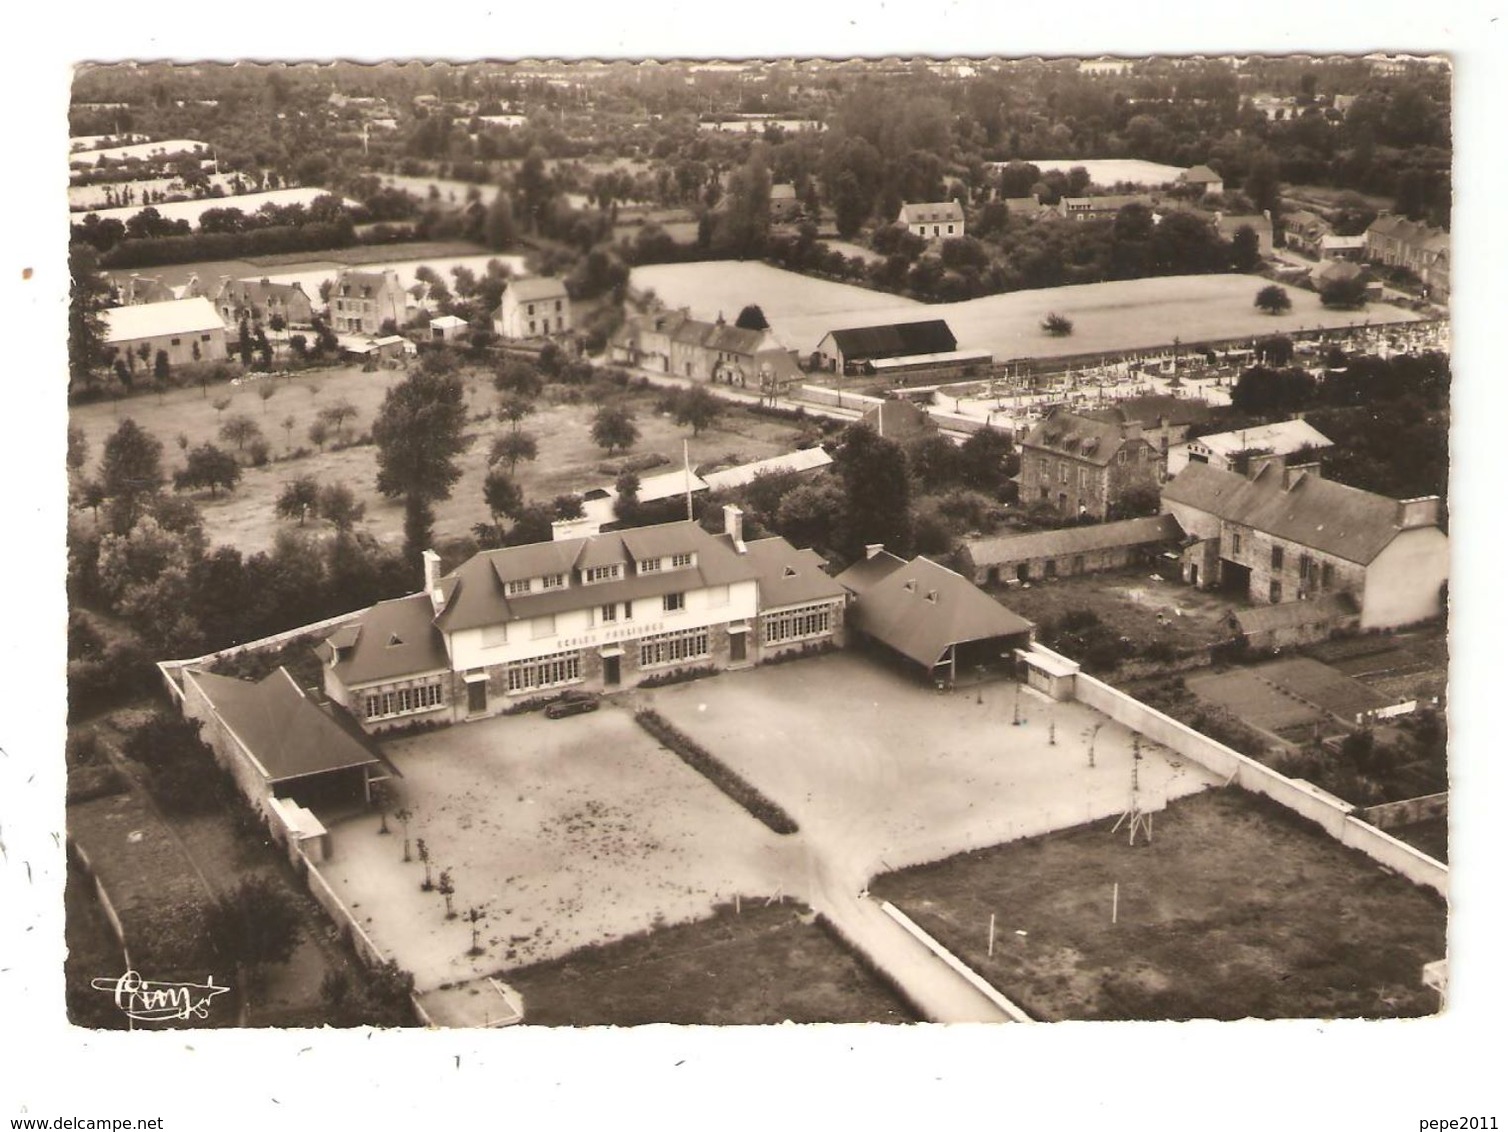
935, 620
277, 743
140, 289
602, 611
1083, 465
933, 220
1099, 208
1305, 232
850, 350
1067, 552
674, 342
361, 301
261, 301
533, 308
1231, 451
1204, 179
187, 330
1285, 533
1165, 420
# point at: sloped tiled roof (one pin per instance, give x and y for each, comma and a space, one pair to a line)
895, 419
284, 730
932, 212
1295, 614
1312, 512
392, 639
1201, 175
1078, 435
896, 339
1073, 540
922, 608
866, 572
788, 576
537, 288
1154, 409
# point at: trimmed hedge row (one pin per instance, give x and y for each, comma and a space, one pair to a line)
699, 759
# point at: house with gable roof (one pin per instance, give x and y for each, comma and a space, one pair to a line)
187, 330
537, 307
1284, 533
673, 342
361, 301
1084, 465
601, 611
260, 300
933, 220
1396, 241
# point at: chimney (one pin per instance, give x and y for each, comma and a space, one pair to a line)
1421, 512
873, 548
733, 526
432, 579
1292, 472
1132, 430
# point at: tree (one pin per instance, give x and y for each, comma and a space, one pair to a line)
1245, 249
1345, 293
266, 390
319, 434
240, 429
567, 507
209, 467
288, 423
423, 850
503, 496
132, 467
419, 433
698, 407
811, 514
985, 461
338, 416
752, 318
446, 886
88, 295
613, 428
499, 231
1058, 325
1273, 299
338, 505
514, 408
256, 924
877, 488
78, 448
626, 504
299, 499
418, 528
513, 447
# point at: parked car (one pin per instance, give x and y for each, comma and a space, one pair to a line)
573, 703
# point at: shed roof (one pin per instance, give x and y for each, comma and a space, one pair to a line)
284, 731
1295, 614
921, 609
1280, 438
895, 340
153, 320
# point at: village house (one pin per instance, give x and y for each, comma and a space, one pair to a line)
899, 420
1232, 451
1284, 533
537, 307
1165, 420
603, 611
140, 289
1040, 555
1100, 208
673, 342
1305, 232
1084, 466
447, 328
187, 330
933, 220
361, 301
1205, 180
260, 300
851, 350
1396, 241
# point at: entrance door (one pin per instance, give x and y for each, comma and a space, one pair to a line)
737, 649
476, 697
611, 670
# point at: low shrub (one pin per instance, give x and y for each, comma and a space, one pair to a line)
699, 759
677, 676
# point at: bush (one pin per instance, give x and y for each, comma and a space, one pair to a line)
1058, 325
699, 759
677, 676
257, 453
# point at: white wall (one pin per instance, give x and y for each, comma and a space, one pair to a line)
1403, 582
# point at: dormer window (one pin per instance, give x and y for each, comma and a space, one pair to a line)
394, 640
602, 573
910, 587
554, 581
519, 586
649, 565
681, 561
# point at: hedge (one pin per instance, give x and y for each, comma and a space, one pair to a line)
699, 759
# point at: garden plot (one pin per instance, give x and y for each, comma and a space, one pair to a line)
882, 771
1261, 703
566, 832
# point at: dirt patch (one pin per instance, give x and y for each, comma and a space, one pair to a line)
760, 965
1236, 909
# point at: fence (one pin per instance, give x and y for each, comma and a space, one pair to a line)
171, 668
822, 395
972, 977
1332, 815
1390, 815
111, 916
320, 889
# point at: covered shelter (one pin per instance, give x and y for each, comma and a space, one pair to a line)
937, 621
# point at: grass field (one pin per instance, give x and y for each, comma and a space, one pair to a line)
1114, 170
568, 458
760, 966
1107, 317
191, 210
1236, 909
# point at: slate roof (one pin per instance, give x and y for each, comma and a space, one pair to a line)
1081, 436
1155, 409
921, 608
895, 340
1201, 175
287, 733
1313, 512
537, 288
932, 212
153, 320
390, 640
788, 576
896, 419
1072, 540
866, 572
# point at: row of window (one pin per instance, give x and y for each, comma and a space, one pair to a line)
593, 575
401, 701
544, 672
794, 624
668, 648
526, 585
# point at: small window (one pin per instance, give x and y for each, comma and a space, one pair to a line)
543, 627
1277, 558
1275, 591
649, 565
675, 603
1235, 542
554, 581
177, 341
519, 586
610, 612
1327, 575
680, 561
